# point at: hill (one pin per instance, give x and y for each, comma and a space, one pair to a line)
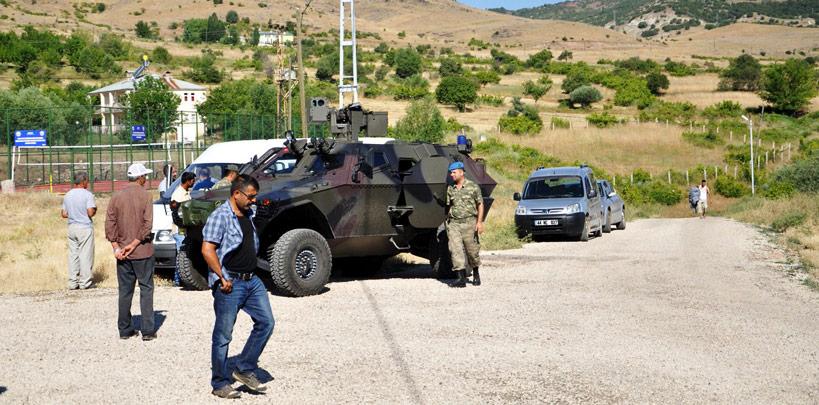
711, 12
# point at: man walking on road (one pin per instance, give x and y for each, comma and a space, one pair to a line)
694, 198
464, 223
128, 228
79, 207
702, 204
229, 247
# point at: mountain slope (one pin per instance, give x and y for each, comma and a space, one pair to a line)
717, 12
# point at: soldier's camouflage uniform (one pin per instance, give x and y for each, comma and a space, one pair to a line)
460, 224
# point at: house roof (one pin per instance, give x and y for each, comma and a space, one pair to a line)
172, 83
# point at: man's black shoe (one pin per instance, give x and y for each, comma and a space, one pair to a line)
130, 335
149, 337
250, 380
476, 277
461, 281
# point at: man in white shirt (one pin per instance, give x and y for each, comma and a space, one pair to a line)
702, 204
79, 207
180, 195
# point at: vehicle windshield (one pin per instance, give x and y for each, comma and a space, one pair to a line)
554, 187
207, 174
282, 164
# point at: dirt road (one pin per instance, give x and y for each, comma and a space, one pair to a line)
666, 311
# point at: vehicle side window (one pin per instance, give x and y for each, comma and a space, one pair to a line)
591, 191
379, 159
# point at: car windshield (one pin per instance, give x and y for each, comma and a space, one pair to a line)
554, 187
207, 174
284, 163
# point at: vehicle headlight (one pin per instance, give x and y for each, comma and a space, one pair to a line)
164, 236
520, 211
572, 209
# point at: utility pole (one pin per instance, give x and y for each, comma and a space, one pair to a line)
302, 98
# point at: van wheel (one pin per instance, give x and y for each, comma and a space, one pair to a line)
584, 234
622, 224
192, 269
607, 226
300, 262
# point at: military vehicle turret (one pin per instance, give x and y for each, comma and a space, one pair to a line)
322, 199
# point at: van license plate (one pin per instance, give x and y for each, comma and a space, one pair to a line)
545, 222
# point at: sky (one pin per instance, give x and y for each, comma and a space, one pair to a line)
508, 4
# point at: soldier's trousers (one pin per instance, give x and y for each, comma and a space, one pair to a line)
464, 244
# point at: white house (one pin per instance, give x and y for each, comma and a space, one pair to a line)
189, 125
272, 38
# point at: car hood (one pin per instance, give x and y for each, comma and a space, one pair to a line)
549, 203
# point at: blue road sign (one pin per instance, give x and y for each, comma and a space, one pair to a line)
31, 138
137, 133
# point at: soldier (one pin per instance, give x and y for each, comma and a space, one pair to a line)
464, 223
231, 173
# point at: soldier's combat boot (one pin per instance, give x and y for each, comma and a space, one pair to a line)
461, 281
476, 277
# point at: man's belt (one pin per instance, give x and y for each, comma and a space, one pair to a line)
467, 219
240, 276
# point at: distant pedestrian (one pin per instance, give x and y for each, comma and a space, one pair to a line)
169, 175
229, 247
79, 207
694, 198
231, 172
702, 204
180, 195
128, 228
464, 205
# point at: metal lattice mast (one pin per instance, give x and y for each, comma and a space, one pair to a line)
345, 86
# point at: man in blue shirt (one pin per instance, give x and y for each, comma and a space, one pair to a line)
79, 207
229, 247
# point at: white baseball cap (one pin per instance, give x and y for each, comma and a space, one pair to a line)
138, 169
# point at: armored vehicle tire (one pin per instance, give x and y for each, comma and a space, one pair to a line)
189, 272
607, 226
439, 257
300, 262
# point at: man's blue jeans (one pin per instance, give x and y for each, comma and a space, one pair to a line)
250, 296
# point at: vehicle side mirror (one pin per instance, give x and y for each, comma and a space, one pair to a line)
612, 194
592, 193
516, 196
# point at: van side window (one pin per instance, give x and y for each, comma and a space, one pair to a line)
589, 190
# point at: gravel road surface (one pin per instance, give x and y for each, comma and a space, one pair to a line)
667, 311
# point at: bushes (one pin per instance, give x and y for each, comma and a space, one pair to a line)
493, 101
651, 191
679, 113
634, 92
411, 88
788, 220
657, 82
585, 96
521, 119
723, 109
742, 74
803, 174
679, 69
729, 187
485, 77
789, 86
407, 62
423, 122
561, 123
602, 120
539, 60
456, 90
638, 65
708, 139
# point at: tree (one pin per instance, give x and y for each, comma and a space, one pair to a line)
254, 38
450, 67
742, 74
423, 122
94, 62
456, 90
143, 30
657, 82
215, 29
585, 96
382, 48
578, 76
539, 60
789, 86
232, 17
485, 77
161, 55
152, 105
534, 90
203, 70
407, 62
194, 30
565, 55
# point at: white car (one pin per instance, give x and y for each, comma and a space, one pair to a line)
215, 158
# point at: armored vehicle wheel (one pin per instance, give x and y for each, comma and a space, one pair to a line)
300, 262
439, 257
192, 269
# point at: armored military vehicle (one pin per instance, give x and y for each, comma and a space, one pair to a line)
328, 199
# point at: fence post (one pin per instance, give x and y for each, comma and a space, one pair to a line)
731, 136
704, 173
687, 180
744, 138
735, 171
669, 176
766, 158
9, 144
666, 123
90, 141
632, 177
716, 172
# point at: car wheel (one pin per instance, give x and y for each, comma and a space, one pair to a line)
607, 226
584, 234
622, 224
193, 271
300, 262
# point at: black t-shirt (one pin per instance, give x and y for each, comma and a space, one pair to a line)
243, 258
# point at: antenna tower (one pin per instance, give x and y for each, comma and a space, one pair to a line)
345, 86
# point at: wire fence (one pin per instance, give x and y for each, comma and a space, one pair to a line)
105, 141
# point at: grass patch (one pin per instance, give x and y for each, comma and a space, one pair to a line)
788, 220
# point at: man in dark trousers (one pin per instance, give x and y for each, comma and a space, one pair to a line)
128, 228
229, 247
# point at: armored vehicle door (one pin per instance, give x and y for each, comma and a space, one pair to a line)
374, 178
423, 171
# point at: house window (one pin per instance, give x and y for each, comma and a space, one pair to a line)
186, 96
193, 96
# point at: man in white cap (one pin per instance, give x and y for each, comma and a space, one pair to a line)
128, 228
